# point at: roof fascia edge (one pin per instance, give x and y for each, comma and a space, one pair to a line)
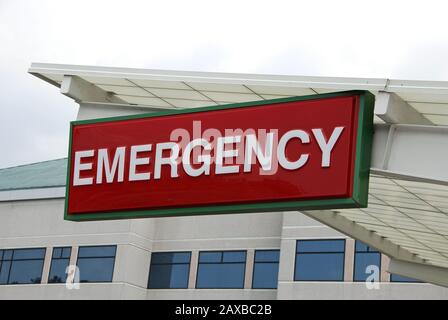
215, 77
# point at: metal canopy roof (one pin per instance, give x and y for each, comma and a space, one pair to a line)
180, 89
407, 217
413, 215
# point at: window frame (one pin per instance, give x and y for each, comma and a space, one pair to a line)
344, 240
415, 281
367, 251
11, 260
60, 258
220, 263
264, 262
96, 257
169, 264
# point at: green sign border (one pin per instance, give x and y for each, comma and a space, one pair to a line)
361, 174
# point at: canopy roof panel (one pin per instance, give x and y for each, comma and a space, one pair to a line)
187, 89
413, 215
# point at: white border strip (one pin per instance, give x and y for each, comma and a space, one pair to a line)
32, 194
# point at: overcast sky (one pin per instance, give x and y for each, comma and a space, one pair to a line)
387, 39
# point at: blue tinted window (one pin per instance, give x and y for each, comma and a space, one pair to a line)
210, 257
365, 256
21, 266
170, 257
267, 255
57, 271
223, 276
265, 275
362, 247
221, 269
170, 276
96, 269
97, 251
320, 260
59, 263
7, 254
321, 245
320, 267
362, 261
234, 256
1, 260
398, 278
169, 270
57, 253
66, 252
96, 264
4, 271
20, 254
26, 271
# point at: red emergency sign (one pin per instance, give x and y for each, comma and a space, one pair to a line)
297, 153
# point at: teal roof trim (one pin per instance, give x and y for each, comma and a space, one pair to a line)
44, 174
